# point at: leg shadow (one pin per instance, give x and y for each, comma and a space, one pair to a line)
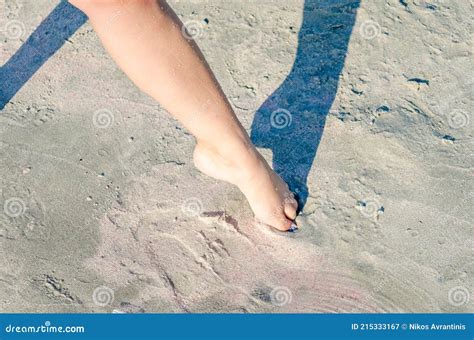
291, 121
50, 35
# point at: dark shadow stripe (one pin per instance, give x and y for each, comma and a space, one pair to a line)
50, 35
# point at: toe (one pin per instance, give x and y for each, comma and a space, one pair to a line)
290, 209
282, 223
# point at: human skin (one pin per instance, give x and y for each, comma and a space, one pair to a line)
147, 41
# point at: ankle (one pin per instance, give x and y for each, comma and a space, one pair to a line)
232, 153
242, 160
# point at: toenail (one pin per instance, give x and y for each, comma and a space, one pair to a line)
293, 228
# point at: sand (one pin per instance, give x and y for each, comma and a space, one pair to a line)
103, 211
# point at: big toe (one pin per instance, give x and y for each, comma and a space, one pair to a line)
280, 222
290, 209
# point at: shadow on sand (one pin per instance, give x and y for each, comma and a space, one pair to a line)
291, 121
50, 35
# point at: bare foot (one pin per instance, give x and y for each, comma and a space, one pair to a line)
268, 195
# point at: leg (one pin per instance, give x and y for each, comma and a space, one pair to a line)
144, 37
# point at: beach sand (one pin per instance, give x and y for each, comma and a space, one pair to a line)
103, 211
